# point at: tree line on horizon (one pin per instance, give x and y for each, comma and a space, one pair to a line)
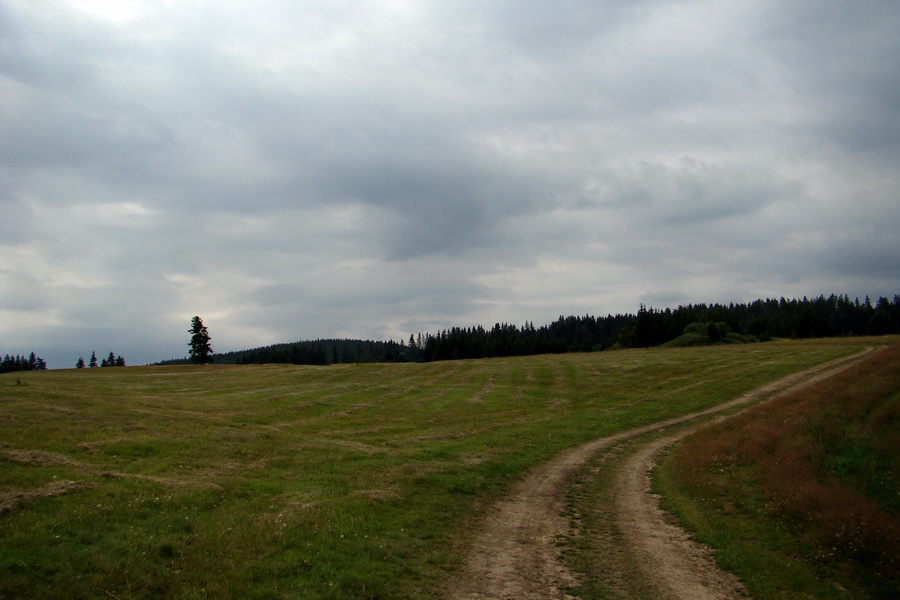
760, 320
110, 361
32, 362
313, 352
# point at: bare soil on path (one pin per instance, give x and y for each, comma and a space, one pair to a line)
515, 555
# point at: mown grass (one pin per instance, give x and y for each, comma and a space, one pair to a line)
801, 496
348, 481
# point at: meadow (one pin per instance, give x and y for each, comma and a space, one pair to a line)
283, 481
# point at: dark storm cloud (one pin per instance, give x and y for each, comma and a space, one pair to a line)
294, 170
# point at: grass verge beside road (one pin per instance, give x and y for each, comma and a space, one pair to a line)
801, 496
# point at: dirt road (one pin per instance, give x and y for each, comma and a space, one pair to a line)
515, 556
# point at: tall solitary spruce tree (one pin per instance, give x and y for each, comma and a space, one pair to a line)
200, 348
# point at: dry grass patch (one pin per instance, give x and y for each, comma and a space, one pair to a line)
13, 500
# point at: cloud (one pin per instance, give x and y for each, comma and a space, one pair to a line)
295, 170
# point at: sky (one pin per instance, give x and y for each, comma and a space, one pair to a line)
297, 169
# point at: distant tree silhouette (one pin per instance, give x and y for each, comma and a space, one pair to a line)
32, 362
113, 361
93, 362
80, 364
199, 344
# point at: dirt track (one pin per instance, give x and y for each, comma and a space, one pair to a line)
515, 555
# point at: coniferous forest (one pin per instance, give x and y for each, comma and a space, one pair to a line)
32, 362
694, 324
318, 352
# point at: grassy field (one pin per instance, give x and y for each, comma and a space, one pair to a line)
801, 496
347, 481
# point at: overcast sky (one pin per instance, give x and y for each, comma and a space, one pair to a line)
299, 169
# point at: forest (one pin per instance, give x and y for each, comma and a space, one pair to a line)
317, 352
32, 362
760, 320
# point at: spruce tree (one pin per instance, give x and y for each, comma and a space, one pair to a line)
199, 344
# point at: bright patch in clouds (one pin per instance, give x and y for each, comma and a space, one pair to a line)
117, 11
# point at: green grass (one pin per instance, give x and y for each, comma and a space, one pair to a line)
348, 481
